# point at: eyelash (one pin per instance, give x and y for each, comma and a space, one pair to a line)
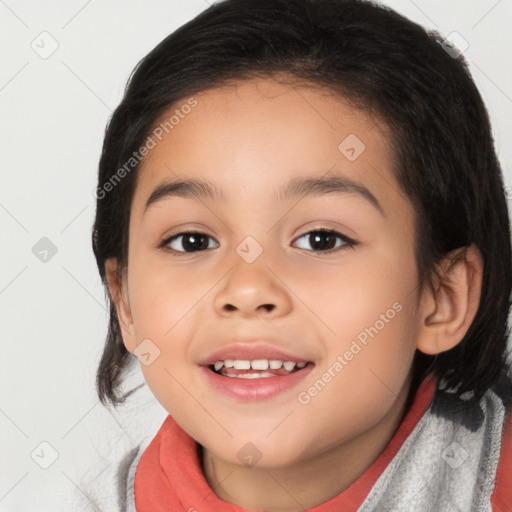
348, 242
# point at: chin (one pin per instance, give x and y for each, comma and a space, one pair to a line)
258, 453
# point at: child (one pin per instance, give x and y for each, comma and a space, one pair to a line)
337, 341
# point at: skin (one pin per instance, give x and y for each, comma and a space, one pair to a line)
249, 139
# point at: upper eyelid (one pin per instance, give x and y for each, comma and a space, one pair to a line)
199, 232
187, 232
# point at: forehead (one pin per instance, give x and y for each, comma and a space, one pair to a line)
250, 138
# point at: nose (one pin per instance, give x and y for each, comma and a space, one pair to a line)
252, 290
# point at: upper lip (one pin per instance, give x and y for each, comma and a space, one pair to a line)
249, 351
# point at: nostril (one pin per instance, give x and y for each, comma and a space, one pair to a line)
268, 307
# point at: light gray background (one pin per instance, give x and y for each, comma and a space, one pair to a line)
53, 114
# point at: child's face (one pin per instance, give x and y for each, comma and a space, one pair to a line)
350, 312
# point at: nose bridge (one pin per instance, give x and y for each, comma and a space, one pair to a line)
251, 287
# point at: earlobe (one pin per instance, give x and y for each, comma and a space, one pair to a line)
449, 310
118, 292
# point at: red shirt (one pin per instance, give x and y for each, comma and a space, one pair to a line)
169, 475
501, 499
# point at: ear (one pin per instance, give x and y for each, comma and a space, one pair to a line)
118, 290
448, 311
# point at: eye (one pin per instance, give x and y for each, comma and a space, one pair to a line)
324, 240
321, 240
187, 242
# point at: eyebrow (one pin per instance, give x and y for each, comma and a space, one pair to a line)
298, 187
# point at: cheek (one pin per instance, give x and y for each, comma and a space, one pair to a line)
166, 307
368, 295
163, 295
360, 381
370, 310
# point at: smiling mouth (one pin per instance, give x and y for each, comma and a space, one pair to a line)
257, 368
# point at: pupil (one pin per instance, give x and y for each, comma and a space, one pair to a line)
195, 244
316, 239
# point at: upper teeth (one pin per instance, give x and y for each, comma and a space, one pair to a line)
257, 364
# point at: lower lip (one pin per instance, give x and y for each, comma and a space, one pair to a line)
255, 389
